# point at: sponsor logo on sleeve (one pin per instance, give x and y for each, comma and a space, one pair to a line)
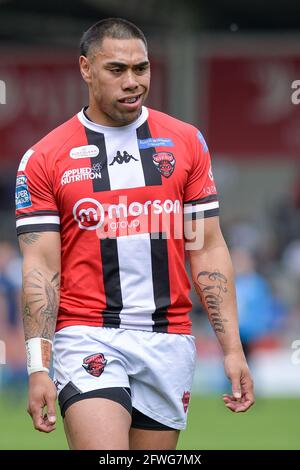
23, 198
210, 174
202, 141
158, 142
22, 179
85, 151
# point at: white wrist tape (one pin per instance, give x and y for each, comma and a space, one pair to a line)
38, 352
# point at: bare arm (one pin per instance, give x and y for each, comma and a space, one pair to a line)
41, 282
213, 278
40, 300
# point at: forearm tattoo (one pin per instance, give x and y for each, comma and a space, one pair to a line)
40, 304
211, 286
30, 238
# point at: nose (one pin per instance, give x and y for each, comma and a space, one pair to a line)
130, 81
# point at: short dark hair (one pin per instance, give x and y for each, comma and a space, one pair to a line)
116, 28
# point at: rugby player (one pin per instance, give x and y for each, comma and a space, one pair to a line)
100, 203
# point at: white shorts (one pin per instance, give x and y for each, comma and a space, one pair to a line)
157, 367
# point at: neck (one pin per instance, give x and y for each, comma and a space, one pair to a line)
98, 117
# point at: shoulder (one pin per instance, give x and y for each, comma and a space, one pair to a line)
51, 143
45, 151
172, 124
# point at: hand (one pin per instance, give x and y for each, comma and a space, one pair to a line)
42, 392
237, 371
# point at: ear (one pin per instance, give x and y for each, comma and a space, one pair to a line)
85, 68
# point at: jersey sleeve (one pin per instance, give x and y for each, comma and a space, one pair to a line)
36, 209
200, 195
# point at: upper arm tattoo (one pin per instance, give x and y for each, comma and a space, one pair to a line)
30, 238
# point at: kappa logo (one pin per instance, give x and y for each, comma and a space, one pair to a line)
94, 364
125, 158
85, 151
164, 162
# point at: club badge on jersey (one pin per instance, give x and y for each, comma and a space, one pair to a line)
164, 162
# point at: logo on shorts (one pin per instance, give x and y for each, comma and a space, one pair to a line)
164, 162
94, 364
57, 384
185, 400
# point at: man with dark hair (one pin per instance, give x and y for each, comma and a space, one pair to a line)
114, 28
104, 276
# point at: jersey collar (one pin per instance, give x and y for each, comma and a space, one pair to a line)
104, 129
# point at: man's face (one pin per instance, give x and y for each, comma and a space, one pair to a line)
118, 77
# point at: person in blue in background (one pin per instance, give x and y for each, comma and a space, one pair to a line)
13, 378
257, 306
7, 287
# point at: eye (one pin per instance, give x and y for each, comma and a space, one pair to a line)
141, 69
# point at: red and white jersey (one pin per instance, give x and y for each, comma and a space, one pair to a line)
118, 196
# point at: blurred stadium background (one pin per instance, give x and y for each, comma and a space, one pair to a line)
228, 68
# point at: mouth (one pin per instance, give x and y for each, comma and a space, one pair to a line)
131, 102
